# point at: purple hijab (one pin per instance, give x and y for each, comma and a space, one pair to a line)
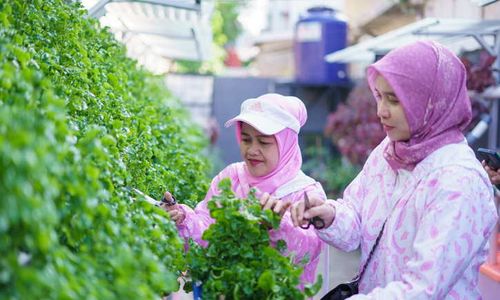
429, 81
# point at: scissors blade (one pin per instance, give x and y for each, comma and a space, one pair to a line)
147, 198
306, 200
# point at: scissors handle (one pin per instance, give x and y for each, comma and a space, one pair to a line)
318, 223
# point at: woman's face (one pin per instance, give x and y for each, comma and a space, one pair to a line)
259, 151
390, 111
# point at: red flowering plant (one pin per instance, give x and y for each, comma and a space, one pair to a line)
354, 127
478, 66
480, 74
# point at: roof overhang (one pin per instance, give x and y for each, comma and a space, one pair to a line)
458, 32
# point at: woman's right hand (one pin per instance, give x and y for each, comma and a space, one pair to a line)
317, 208
175, 211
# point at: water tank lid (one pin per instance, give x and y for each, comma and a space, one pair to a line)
320, 9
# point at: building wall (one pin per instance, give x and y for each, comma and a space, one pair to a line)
461, 9
358, 13
276, 59
491, 11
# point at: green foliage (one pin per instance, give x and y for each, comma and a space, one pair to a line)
333, 173
79, 124
228, 28
225, 29
239, 261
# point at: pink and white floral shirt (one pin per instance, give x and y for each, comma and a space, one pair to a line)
435, 239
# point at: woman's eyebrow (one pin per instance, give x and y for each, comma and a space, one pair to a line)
386, 93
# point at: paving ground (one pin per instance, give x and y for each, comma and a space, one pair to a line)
342, 266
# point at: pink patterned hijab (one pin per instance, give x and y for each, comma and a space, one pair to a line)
290, 157
429, 81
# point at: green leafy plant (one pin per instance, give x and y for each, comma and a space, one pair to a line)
239, 261
80, 123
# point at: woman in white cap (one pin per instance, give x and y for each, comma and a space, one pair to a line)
267, 131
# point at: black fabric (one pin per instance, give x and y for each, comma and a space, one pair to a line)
342, 291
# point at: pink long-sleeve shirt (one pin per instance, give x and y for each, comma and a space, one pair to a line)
298, 241
436, 236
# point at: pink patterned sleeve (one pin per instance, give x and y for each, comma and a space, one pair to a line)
301, 242
198, 220
345, 231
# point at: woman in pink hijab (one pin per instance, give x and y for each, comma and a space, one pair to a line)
267, 131
422, 193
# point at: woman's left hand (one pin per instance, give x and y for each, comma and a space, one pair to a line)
276, 205
494, 175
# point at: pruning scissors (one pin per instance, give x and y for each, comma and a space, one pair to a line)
154, 202
317, 222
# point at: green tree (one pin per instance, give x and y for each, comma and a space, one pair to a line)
225, 29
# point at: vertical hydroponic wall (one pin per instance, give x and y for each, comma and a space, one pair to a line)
80, 124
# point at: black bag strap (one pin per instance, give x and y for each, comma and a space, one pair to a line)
358, 277
401, 197
376, 241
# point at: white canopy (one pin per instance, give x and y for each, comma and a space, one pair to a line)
172, 29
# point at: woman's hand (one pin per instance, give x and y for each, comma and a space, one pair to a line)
317, 208
277, 205
494, 175
174, 210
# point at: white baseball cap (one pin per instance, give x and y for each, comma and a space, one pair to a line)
266, 115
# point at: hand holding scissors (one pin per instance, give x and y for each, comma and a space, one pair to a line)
315, 211
164, 201
168, 203
176, 213
316, 221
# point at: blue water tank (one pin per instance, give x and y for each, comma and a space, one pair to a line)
321, 31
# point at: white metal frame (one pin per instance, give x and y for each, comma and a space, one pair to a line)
98, 9
171, 29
